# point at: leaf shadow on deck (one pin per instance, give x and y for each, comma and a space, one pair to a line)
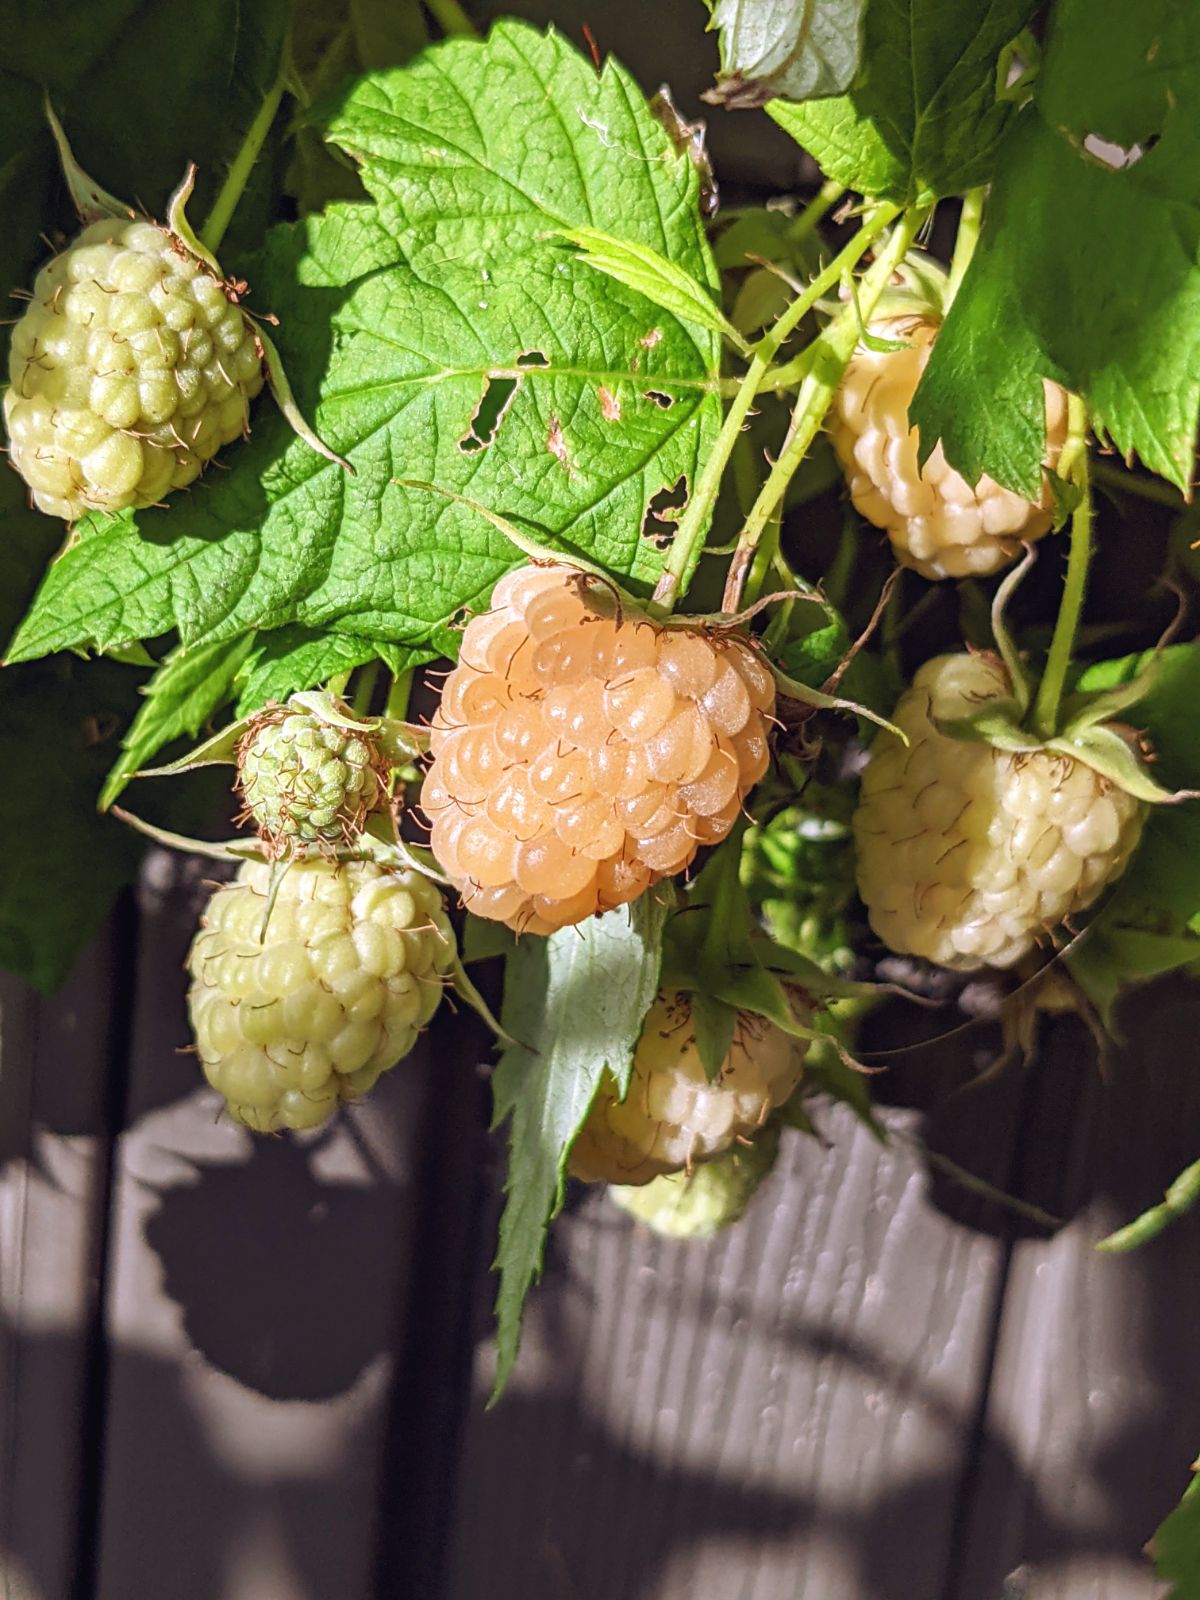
199, 1538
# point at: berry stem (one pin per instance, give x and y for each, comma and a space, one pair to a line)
1180, 1198
397, 700
965, 241
689, 537
1126, 482
451, 18
238, 176
827, 358
825, 198
364, 689
1054, 677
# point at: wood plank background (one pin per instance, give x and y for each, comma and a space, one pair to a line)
258, 1368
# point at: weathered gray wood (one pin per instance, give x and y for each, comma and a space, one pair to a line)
53, 1064
779, 1414
254, 1297
1094, 1412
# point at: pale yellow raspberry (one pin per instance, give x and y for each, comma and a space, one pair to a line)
968, 855
673, 1117
937, 522
128, 371
295, 1011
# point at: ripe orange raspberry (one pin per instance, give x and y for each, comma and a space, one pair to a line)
938, 523
581, 752
673, 1117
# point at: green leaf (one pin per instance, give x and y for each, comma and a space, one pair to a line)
287, 660
796, 49
1086, 272
576, 1002
922, 119
395, 323
1176, 1547
184, 692
64, 862
1142, 929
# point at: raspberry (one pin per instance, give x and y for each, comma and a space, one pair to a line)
968, 854
937, 522
798, 869
699, 1204
291, 1018
307, 782
583, 752
673, 1117
129, 370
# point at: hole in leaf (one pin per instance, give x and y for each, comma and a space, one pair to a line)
664, 402
533, 358
663, 511
489, 413
1115, 156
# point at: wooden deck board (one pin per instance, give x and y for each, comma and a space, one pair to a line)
779, 1414
254, 1298
53, 1148
1094, 1409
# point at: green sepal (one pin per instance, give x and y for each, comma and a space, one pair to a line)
1082, 711
245, 849
281, 389
1065, 496
90, 200
1018, 679
998, 723
820, 701
1106, 752
400, 742
177, 221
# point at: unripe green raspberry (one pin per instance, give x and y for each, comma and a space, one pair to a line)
308, 783
938, 523
129, 370
673, 1117
968, 855
292, 1017
798, 869
697, 1205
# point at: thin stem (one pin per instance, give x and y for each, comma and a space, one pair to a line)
451, 18
825, 198
1058, 662
1181, 1197
764, 557
689, 537
397, 700
238, 176
1126, 482
965, 240
365, 688
338, 683
829, 354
